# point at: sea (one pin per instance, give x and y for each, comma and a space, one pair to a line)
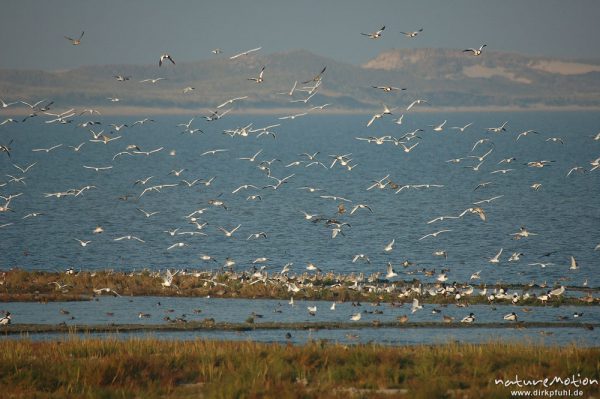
563, 213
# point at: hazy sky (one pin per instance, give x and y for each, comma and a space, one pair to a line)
132, 32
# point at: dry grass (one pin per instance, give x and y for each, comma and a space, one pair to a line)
149, 368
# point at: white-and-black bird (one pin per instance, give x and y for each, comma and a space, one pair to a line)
5, 320
165, 57
317, 77
511, 317
259, 79
75, 42
374, 35
468, 319
475, 51
412, 34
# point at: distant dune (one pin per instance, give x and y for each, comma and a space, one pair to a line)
446, 78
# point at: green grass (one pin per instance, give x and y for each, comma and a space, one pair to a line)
150, 368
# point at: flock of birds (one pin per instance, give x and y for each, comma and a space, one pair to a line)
302, 93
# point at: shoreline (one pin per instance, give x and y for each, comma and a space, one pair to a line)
172, 111
211, 325
42, 286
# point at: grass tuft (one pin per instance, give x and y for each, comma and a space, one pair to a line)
151, 368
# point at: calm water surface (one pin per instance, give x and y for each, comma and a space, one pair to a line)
564, 212
123, 310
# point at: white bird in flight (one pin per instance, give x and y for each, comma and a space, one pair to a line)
231, 100
151, 80
374, 35
525, 133
416, 102
165, 57
434, 234
412, 34
415, 306
390, 246
75, 42
439, 127
233, 57
6, 105
46, 149
390, 273
98, 168
229, 233
476, 52
498, 129
213, 152
259, 79
462, 128
496, 258
129, 237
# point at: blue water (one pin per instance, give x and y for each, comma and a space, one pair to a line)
125, 311
565, 212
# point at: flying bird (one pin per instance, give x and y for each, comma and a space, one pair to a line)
462, 128
129, 237
415, 306
6, 105
388, 89
75, 42
317, 77
474, 51
259, 79
390, 272
412, 34
525, 133
496, 258
165, 57
154, 80
229, 233
230, 101
416, 102
374, 35
434, 234
498, 129
233, 57
574, 265
390, 246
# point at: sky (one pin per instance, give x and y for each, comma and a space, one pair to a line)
137, 32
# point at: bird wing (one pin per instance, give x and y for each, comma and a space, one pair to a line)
372, 119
